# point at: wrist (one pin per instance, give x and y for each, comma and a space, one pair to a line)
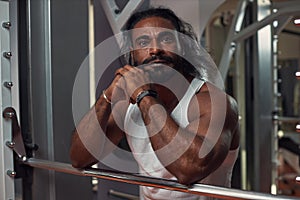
143, 94
106, 98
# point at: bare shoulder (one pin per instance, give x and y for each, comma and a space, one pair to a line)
209, 94
214, 104
211, 97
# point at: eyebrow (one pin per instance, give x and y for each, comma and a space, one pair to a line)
163, 33
141, 37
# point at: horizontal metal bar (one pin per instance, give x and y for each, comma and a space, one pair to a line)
291, 32
286, 119
122, 195
198, 189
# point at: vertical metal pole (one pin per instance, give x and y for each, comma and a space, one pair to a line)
263, 99
92, 78
274, 140
6, 155
40, 89
48, 85
14, 60
91, 52
240, 95
230, 45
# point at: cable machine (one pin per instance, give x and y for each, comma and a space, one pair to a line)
46, 56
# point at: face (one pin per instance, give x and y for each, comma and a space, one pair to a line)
155, 40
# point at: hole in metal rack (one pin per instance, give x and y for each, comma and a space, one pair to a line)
298, 128
297, 75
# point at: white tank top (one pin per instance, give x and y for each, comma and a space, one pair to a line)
149, 164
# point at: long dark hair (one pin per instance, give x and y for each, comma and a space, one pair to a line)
195, 59
165, 13
180, 26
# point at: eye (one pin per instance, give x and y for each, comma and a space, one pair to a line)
167, 38
142, 42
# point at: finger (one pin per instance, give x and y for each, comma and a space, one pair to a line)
128, 67
120, 71
118, 74
133, 69
121, 83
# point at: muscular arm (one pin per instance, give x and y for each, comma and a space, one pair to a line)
205, 142
96, 134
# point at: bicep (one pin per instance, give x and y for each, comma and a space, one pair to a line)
211, 128
215, 119
215, 136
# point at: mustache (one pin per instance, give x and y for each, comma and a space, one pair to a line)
162, 58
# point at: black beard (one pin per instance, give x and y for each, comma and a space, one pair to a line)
179, 64
159, 57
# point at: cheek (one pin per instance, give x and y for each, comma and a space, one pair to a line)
177, 49
139, 56
174, 49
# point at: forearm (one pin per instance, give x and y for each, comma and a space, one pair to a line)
88, 137
180, 153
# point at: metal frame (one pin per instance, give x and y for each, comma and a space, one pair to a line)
236, 35
118, 17
282, 13
8, 69
14, 61
53, 26
6, 157
263, 100
276, 95
230, 44
39, 56
197, 189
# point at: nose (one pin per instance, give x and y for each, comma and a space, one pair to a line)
155, 49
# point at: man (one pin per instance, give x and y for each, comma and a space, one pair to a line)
177, 123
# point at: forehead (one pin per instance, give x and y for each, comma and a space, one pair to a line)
154, 22
152, 25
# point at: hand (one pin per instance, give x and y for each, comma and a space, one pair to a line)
133, 81
115, 93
